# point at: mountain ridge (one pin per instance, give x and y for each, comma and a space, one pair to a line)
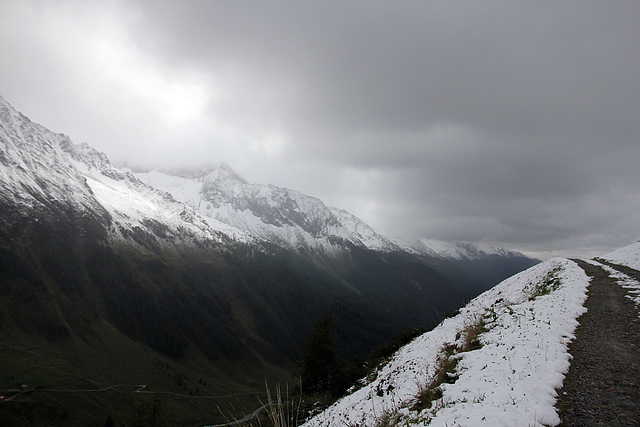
90, 254
207, 190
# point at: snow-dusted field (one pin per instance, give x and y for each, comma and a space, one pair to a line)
629, 256
510, 380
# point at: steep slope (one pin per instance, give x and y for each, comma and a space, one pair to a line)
497, 362
79, 227
502, 360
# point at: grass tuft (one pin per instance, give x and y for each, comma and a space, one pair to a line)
282, 413
446, 364
550, 283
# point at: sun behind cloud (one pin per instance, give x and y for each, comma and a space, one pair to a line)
179, 96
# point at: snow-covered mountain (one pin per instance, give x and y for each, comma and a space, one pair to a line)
39, 166
35, 168
209, 205
40, 169
284, 216
206, 204
101, 229
294, 220
462, 251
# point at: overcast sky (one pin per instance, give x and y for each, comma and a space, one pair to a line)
509, 122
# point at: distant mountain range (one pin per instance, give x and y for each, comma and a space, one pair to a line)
301, 223
194, 274
293, 220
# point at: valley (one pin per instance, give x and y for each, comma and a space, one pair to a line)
107, 280
319, 214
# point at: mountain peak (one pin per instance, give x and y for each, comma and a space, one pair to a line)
224, 171
211, 171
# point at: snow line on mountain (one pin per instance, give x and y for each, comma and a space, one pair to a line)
40, 168
528, 319
281, 215
290, 218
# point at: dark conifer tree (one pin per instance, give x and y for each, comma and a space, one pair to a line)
320, 367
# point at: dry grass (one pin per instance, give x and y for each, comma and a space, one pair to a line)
446, 364
282, 413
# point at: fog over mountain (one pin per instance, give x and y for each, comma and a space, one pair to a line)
201, 284
493, 122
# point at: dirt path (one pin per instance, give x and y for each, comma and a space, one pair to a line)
602, 387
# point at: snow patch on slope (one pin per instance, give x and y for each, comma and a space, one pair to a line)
629, 256
362, 232
511, 379
631, 285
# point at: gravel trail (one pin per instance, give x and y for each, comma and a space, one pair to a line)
602, 387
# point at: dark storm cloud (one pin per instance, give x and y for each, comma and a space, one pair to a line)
389, 66
514, 122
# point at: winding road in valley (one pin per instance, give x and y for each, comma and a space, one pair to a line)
602, 387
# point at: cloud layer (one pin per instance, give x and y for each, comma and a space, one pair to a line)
496, 121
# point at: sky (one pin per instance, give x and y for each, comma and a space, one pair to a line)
510, 122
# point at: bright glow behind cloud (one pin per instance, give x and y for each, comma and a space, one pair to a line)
505, 122
177, 99
107, 50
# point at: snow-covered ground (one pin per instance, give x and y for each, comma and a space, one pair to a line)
629, 256
509, 379
631, 285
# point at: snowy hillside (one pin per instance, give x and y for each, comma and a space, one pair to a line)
629, 256
40, 168
34, 167
280, 215
497, 362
